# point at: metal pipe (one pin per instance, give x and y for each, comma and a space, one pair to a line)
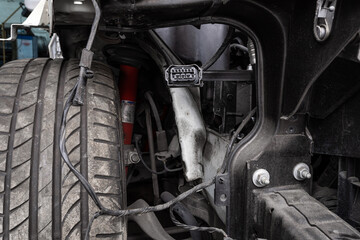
152, 154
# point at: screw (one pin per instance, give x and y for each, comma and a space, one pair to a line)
261, 178
301, 172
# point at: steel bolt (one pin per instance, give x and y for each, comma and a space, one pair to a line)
261, 178
134, 157
301, 172
321, 32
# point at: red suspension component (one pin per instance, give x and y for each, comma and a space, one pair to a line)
128, 88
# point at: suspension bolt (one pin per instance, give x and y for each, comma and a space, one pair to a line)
261, 178
301, 172
134, 157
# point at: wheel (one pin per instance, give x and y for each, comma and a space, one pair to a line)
40, 198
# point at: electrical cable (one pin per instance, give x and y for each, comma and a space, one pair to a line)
153, 107
150, 136
166, 169
239, 46
196, 228
91, 191
233, 138
220, 50
143, 161
172, 169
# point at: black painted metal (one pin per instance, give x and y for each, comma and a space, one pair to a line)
293, 214
348, 193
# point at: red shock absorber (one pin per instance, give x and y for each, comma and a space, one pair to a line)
128, 88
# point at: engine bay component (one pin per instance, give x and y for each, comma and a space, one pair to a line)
324, 17
184, 75
191, 130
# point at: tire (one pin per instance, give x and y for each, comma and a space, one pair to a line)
39, 197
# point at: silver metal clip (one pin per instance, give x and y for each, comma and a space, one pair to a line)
324, 17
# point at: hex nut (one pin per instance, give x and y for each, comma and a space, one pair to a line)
301, 172
261, 178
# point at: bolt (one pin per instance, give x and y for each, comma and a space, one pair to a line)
240, 136
230, 97
221, 180
134, 157
332, 8
301, 172
291, 130
261, 178
320, 32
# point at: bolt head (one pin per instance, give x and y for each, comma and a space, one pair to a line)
320, 32
134, 157
301, 172
261, 178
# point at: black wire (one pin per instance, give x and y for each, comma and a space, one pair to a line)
220, 50
196, 228
172, 169
91, 191
232, 140
166, 169
64, 153
88, 229
143, 161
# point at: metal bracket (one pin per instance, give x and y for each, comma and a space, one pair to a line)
39, 18
222, 190
54, 47
324, 17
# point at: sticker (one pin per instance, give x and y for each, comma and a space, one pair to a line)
128, 111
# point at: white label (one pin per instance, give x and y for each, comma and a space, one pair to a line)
128, 111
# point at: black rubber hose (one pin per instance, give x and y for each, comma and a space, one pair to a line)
153, 107
220, 50
183, 213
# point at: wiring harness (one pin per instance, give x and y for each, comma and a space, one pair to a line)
76, 98
90, 190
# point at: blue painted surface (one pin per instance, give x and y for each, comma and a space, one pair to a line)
26, 47
7, 7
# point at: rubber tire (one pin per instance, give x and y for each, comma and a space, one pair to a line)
39, 197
